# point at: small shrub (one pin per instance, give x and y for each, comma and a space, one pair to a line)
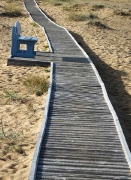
97, 7
12, 10
19, 149
98, 23
47, 70
78, 17
46, 47
39, 93
92, 16
36, 84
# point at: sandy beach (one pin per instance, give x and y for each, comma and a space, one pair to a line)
108, 43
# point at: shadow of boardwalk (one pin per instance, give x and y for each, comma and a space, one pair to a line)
115, 88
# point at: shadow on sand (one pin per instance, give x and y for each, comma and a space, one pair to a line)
115, 88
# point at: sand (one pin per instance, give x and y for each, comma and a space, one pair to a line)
109, 49
21, 111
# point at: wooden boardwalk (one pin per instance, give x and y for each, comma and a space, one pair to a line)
80, 141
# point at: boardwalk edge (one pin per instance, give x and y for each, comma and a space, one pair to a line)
41, 134
48, 41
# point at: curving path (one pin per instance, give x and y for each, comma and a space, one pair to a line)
81, 138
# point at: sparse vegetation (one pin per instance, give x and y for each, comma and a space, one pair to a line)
46, 47
97, 7
12, 141
82, 17
12, 10
55, 2
36, 84
47, 70
73, 6
92, 16
64, 0
122, 12
11, 95
98, 23
77, 5
77, 17
66, 8
34, 24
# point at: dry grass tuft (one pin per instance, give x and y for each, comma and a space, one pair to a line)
12, 141
58, 4
77, 17
92, 16
34, 24
97, 7
67, 8
36, 84
98, 23
55, 2
9, 96
12, 10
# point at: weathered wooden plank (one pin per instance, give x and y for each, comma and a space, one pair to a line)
69, 176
